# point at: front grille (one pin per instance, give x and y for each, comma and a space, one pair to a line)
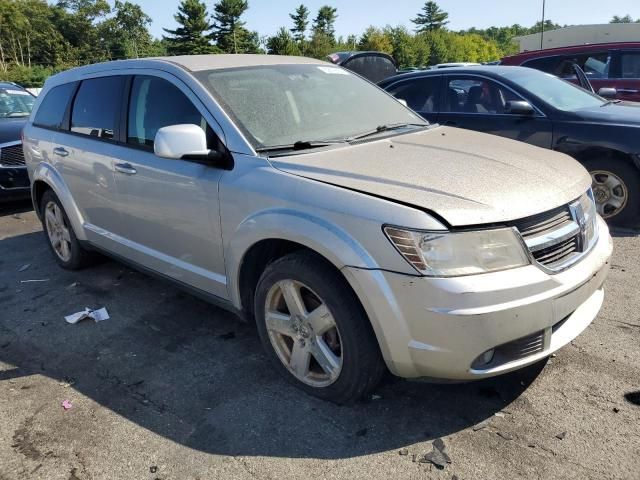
558, 238
12, 156
522, 347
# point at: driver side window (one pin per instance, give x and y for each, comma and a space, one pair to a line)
155, 103
477, 95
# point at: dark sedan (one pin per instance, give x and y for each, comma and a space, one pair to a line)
538, 108
15, 106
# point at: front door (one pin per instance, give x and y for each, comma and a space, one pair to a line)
478, 103
171, 206
625, 74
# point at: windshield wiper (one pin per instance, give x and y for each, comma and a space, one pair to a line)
385, 128
300, 145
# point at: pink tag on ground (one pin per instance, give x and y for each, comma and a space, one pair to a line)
66, 405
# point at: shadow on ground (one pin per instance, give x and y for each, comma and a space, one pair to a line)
16, 207
194, 374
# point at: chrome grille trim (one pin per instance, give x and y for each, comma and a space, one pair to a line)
11, 155
561, 237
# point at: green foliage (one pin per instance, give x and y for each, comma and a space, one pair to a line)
27, 76
375, 39
432, 18
324, 23
626, 19
193, 34
283, 43
228, 30
300, 22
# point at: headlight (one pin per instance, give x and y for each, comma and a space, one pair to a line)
449, 254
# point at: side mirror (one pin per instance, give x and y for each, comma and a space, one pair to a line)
176, 141
518, 107
608, 92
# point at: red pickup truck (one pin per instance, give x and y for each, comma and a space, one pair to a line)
607, 65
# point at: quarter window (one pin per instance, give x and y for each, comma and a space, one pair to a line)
97, 106
156, 103
51, 112
421, 94
477, 95
630, 65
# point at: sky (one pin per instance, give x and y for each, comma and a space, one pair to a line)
354, 16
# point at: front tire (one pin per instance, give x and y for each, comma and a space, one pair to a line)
315, 331
60, 236
616, 188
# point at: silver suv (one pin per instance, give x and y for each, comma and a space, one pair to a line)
291, 191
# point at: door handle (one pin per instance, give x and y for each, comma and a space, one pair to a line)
125, 168
62, 152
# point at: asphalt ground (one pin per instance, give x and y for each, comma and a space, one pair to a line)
171, 387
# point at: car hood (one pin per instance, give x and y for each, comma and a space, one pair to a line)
10, 129
623, 113
468, 178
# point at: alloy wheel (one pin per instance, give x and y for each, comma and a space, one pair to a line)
58, 231
303, 333
610, 193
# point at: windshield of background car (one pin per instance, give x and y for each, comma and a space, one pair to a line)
282, 104
558, 93
15, 103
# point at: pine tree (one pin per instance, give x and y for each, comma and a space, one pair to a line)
325, 20
282, 43
228, 30
300, 22
433, 18
192, 36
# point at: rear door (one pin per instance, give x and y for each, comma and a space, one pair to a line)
478, 103
170, 207
422, 95
83, 153
625, 74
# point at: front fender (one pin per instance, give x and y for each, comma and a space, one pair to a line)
315, 233
45, 172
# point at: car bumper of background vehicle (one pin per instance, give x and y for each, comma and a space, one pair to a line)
479, 326
14, 183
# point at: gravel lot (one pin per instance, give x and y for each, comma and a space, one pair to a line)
173, 388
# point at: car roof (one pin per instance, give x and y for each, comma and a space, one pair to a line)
591, 47
190, 63
490, 70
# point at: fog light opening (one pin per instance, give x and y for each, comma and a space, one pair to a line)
487, 357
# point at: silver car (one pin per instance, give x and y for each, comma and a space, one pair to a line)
358, 237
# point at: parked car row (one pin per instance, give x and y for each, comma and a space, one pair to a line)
356, 235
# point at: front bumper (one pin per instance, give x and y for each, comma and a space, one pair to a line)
441, 327
14, 183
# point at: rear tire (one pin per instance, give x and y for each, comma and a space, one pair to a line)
616, 188
323, 343
60, 236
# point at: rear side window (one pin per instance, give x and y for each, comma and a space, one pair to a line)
156, 103
421, 94
373, 67
54, 106
546, 64
97, 107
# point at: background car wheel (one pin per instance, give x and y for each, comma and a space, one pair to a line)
616, 188
60, 235
315, 331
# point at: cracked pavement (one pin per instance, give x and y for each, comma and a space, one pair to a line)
174, 388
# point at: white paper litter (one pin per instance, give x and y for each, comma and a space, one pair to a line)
35, 280
98, 315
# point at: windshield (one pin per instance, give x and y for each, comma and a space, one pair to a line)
284, 104
558, 93
15, 103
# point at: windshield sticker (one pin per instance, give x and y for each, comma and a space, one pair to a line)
16, 92
333, 70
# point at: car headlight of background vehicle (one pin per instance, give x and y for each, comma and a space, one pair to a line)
448, 254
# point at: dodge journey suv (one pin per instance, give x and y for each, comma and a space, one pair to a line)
357, 236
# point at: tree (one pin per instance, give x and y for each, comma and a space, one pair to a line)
433, 18
324, 22
626, 19
375, 39
125, 34
300, 22
228, 30
282, 43
192, 36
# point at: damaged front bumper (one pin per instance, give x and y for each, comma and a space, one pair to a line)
478, 326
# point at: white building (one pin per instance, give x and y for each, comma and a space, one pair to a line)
581, 35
